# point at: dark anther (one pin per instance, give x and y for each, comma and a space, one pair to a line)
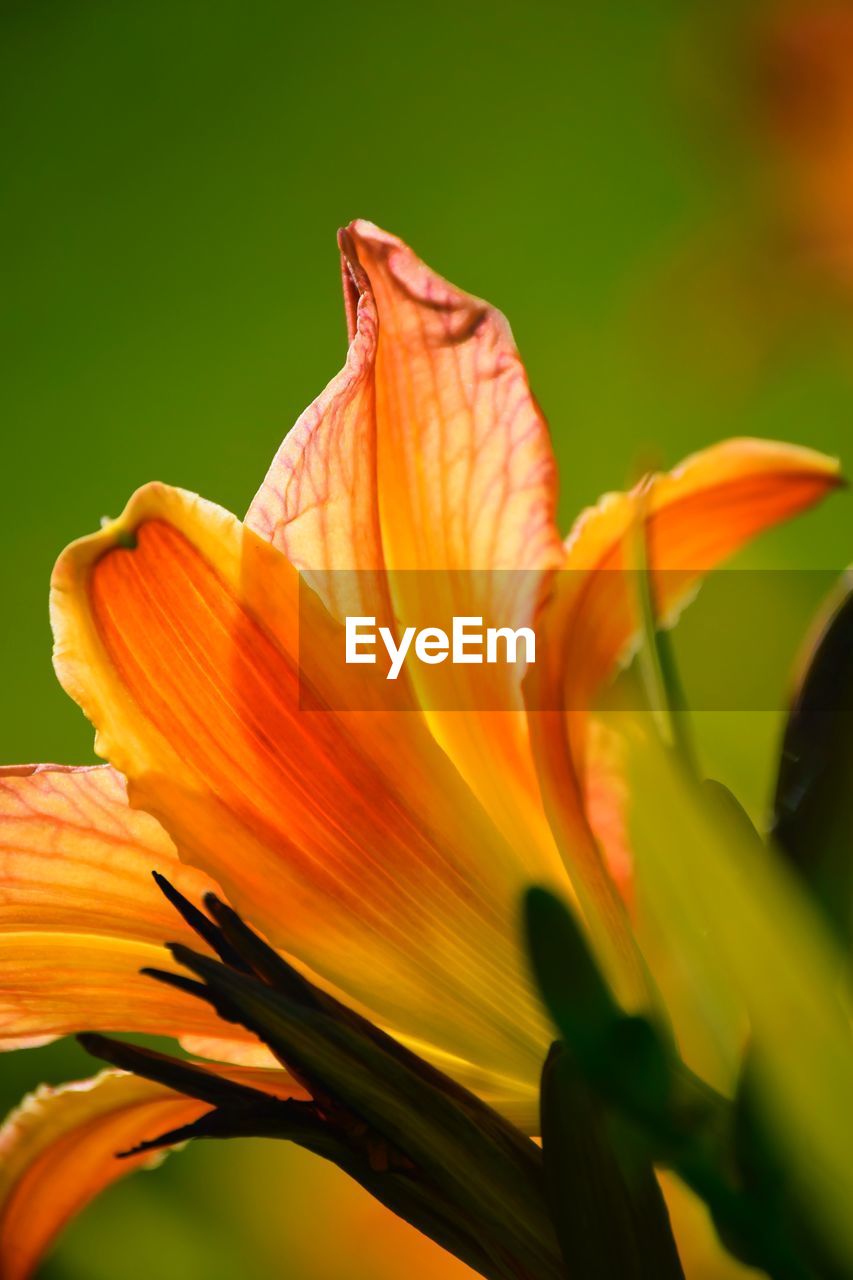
200, 924
177, 980
261, 959
183, 1076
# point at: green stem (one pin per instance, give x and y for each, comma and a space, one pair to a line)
658, 666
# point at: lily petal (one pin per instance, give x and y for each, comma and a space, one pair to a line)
80, 914
52, 984
695, 517
348, 839
433, 398
429, 453
467, 478
58, 1151
75, 857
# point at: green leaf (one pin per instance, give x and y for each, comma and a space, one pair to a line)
609, 1213
628, 1059
741, 925
657, 662
574, 992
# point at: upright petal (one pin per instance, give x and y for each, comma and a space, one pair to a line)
467, 478
58, 1151
79, 911
467, 493
347, 838
428, 453
437, 401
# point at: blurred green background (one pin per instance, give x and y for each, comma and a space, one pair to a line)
650, 193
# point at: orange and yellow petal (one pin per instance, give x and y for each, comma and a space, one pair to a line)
467, 493
695, 517
428, 450
347, 838
80, 914
58, 1151
467, 478
54, 984
75, 857
428, 453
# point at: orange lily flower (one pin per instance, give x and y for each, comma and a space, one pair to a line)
385, 853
